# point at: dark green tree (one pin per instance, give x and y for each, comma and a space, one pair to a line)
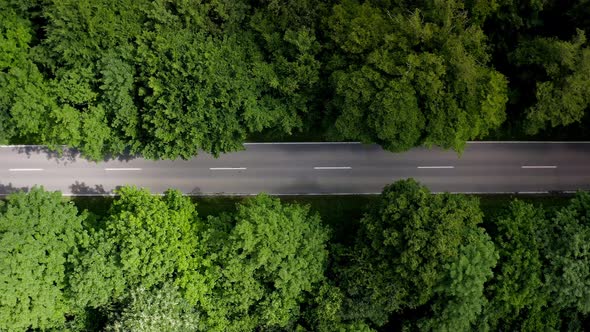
411, 75
170, 79
325, 312
568, 256
419, 250
518, 294
288, 33
563, 89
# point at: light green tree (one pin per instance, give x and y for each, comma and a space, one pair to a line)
160, 310
39, 234
272, 256
144, 242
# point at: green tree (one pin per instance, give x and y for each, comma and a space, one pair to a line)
145, 241
417, 250
568, 256
324, 311
25, 100
415, 75
195, 70
195, 96
39, 234
563, 88
459, 298
159, 310
518, 294
272, 256
287, 33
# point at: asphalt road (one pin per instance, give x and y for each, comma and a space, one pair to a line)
310, 168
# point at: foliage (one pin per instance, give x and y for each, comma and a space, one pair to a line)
568, 270
416, 249
287, 34
518, 295
563, 97
410, 78
460, 296
164, 79
161, 310
145, 241
168, 79
39, 234
268, 260
420, 262
27, 108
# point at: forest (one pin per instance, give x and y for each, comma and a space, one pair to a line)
167, 79
414, 261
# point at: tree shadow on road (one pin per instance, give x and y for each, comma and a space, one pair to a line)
6, 189
124, 156
65, 155
81, 188
60, 154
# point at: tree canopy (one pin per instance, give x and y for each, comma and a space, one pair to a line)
39, 234
568, 271
413, 75
518, 293
562, 95
159, 310
144, 242
270, 257
416, 249
419, 261
168, 79
162, 79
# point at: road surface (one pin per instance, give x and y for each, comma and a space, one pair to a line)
310, 168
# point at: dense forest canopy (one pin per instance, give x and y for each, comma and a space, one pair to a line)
416, 261
167, 79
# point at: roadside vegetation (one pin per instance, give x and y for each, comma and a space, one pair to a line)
166, 79
406, 259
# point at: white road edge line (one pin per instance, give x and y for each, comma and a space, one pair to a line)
320, 143
299, 143
222, 194
528, 142
227, 168
336, 194
427, 167
332, 167
25, 169
122, 169
528, 166
29, 146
